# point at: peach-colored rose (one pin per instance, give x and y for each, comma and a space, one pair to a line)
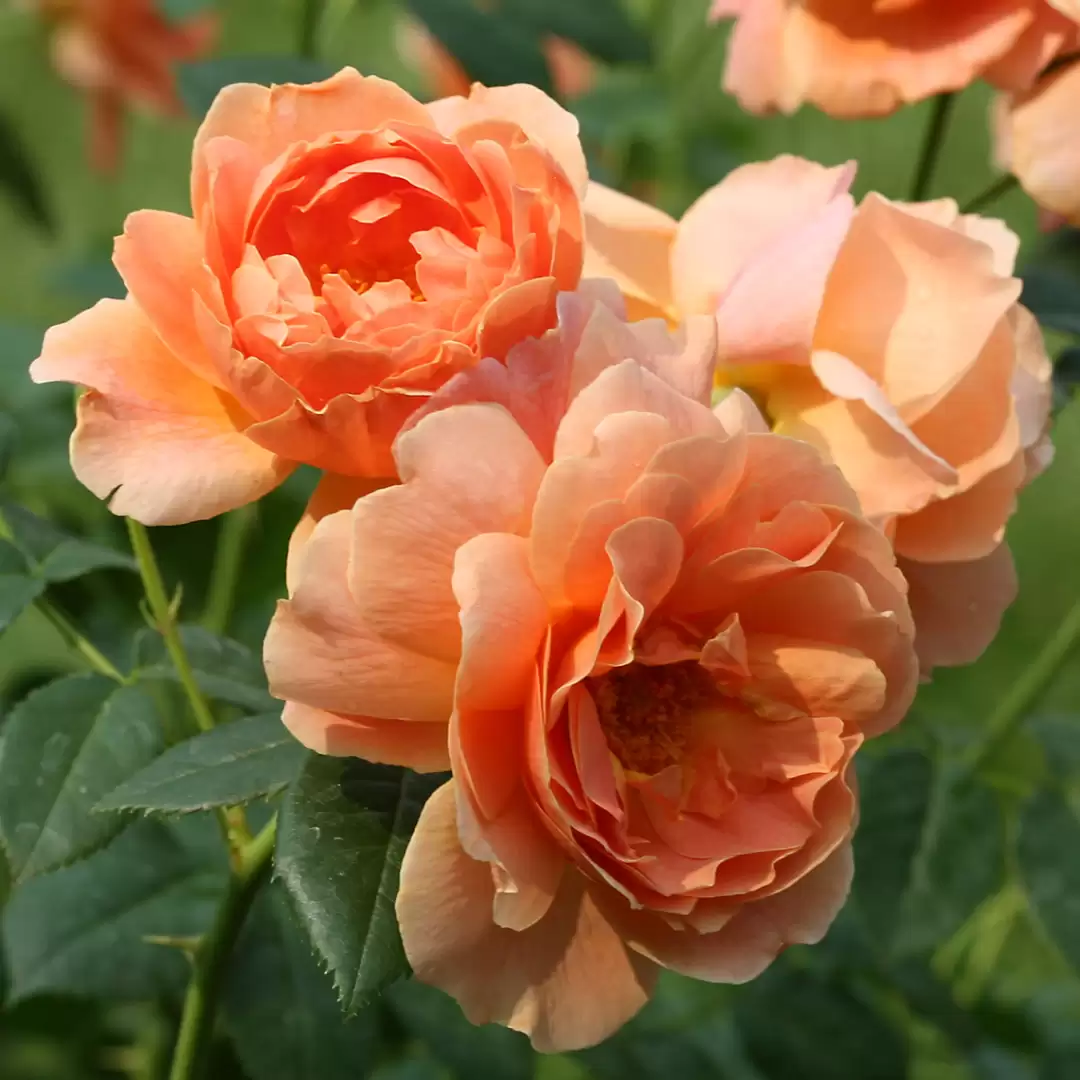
889, 336
862, 58
1038, 140
648, 638
350, 251
572, 69
121, 52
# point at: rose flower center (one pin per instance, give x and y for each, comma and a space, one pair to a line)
647, 713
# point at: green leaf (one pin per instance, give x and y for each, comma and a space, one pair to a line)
344, 828
929, 849
231, 765
84, 930
435, 1020
492, 48
895, 799
53, 555
798, 1024
65, 746
600, 27
225, 670
19, 178
18, 590
201, 81
280, 1009
1048, 845
1053, 297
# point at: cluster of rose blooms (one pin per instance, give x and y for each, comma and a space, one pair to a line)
637, 527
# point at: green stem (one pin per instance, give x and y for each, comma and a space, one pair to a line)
932, 146
233, 820
1028, 689
165, 622
232, 539
998, 189
310, 16
211, 957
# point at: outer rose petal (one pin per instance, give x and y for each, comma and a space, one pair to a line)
862, 60
320, 651
333, 493
958, 607
165, 444
568, 981
391, 742
630, 242
1043, 129
539, 116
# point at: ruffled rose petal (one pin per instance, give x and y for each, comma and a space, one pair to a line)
756, 932
539, 116
270, 120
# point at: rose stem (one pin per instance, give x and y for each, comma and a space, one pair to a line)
999, 188
1027, 690
932, 146
249, 871
232, 819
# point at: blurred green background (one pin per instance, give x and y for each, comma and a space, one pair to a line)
957, 958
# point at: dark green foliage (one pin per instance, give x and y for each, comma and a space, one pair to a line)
343, 832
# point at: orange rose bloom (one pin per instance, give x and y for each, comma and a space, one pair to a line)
120, 52
351, 250
869, 57
648, 638
889, 336
1038, 140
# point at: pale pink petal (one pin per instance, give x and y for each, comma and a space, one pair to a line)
742, 216
628, 387
769, 312
568, 981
